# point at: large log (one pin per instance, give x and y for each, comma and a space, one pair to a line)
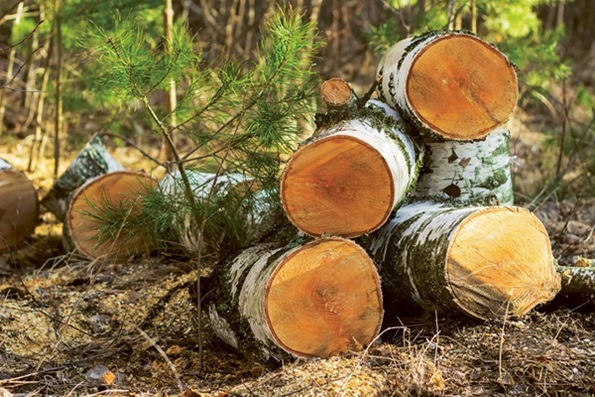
316, 299
450, 85
92, 161
486, 262
251, 209
475, 172
89, 209
19, 207
348, 178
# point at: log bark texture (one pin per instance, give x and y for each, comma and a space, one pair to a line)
312, 300
487, 262
347, 179
19, 207
256, 212
92, 161
449, 85
119, 189
475, 172
578, 280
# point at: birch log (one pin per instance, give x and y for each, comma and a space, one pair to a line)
312, 300
19, 207
87, 214
475, 172
346, 180
253, 210
487, 262
449, 85
92, 161
579, 279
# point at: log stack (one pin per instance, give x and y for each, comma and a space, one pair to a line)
422, 179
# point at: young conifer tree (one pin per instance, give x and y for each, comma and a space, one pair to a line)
240, 115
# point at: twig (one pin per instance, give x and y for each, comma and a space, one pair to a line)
501, 341
129, 142
165, 357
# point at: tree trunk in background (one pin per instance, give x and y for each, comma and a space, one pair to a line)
19, 207
449, 85
468, 172
312, 300
119, 189
347, 179
487, 262
92, 161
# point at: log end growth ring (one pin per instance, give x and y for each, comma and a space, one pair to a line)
462, 87
120, 188
500, 263
337, 185
324, 299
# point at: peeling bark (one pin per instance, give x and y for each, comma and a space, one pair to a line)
487, 262
312, 300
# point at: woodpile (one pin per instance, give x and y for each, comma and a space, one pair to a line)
421, 178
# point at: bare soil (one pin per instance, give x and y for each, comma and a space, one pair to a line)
70, 326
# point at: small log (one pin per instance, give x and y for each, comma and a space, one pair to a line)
119, 189
346, 180
19, 207
92, 161
337, 94
449, 85
486, 262
255, 210
467, 172
579, 279
312, 300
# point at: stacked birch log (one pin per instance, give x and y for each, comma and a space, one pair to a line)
422, 178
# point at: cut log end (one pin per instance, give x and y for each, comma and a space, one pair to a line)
122, 189
462, 87
336, 92
19, 208
337, 185
500, 263
324, 299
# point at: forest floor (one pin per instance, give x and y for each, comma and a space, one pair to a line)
70, 326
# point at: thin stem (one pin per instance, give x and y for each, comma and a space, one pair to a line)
129, 142
58, 116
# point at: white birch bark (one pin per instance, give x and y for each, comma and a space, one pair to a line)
384, 133
424, 267
475, 172
92, 161
238, 318
394, 71
578, 280
258, 215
